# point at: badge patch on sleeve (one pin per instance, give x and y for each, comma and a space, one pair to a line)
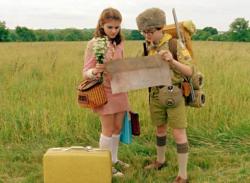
186, 55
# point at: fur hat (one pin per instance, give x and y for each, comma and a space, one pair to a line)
151, 18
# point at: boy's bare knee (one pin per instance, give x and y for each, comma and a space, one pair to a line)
180, 135
162, 129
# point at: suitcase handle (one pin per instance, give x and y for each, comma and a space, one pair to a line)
87, 148
80, 148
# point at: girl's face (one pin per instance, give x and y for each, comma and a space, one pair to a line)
112, 28
153, 35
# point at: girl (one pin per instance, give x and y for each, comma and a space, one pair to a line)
112, 113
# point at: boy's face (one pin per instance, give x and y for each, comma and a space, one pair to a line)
153, 35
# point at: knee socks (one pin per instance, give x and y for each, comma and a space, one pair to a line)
111, 144
115, 145
182, 155
161, 147
105, 142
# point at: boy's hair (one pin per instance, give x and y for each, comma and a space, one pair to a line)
107, 15
151, 18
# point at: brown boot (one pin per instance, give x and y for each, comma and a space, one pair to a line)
178, 179
155, 165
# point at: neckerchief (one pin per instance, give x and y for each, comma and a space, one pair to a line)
153, 48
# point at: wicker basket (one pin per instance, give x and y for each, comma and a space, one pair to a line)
91, 94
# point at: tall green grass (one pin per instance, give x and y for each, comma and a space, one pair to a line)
38, 110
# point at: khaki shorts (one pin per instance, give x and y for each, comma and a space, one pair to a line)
174, 116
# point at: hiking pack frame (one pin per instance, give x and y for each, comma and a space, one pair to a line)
180, 39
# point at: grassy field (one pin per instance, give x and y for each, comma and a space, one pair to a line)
38, 110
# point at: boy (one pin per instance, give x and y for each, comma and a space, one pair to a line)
167, 104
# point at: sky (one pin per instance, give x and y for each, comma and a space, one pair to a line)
50, 14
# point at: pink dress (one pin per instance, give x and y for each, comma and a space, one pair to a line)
116, 102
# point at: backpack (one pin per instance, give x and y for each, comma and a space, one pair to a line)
191, 87
187, 29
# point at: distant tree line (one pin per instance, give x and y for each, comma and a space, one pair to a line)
239, 31
20, 34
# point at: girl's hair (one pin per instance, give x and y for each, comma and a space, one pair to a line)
107, 15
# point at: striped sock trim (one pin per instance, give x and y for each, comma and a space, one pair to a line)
161, 141
182, 148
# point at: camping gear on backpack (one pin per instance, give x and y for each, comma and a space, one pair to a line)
135, 123
77, 164
198, 80
91, 94
199, 99
193, 93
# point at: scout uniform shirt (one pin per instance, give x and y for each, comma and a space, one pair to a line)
183, 56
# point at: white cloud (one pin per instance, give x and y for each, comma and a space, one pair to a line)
84, 13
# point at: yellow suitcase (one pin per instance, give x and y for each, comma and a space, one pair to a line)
77, 165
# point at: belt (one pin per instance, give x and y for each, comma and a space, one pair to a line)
169, 87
